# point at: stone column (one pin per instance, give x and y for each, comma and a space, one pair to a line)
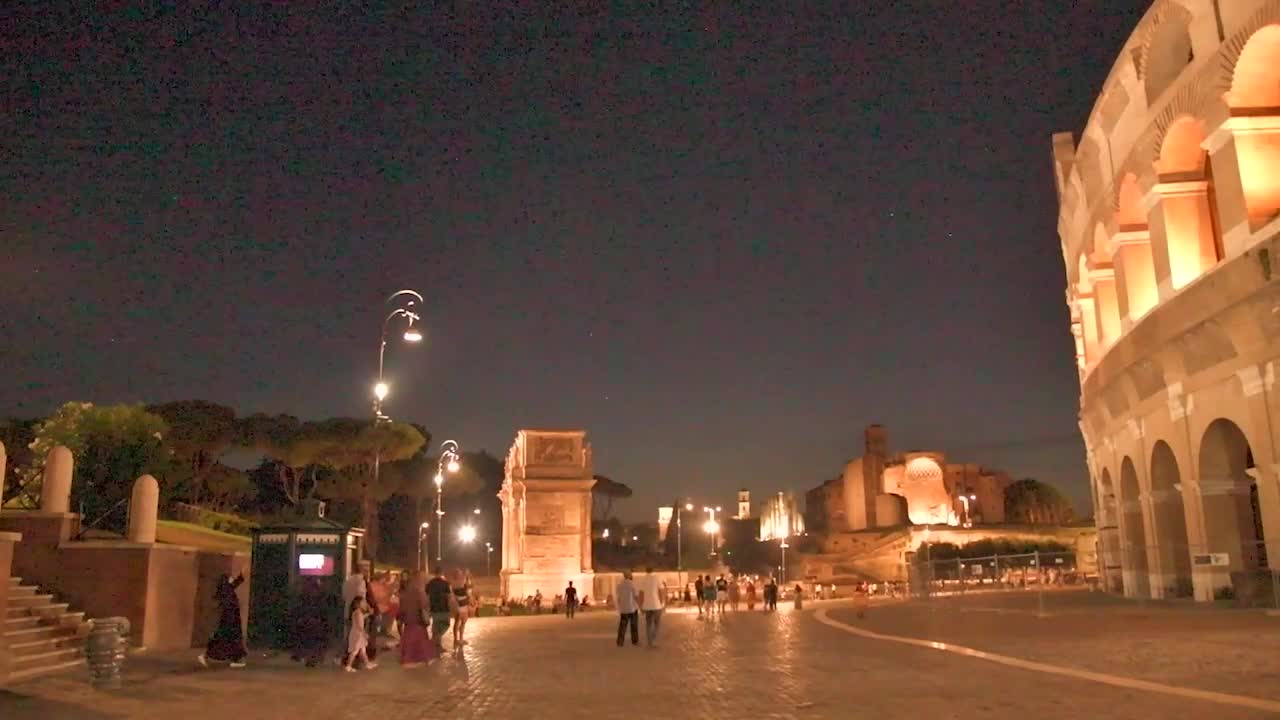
1182, 240
1135, 275
1243, 152
1089, 327
1257, 384
143, 506
55, 487
1107, 305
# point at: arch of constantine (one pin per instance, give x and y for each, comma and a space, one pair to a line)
1169, 217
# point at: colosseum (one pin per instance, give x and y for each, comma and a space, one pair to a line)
1169, 217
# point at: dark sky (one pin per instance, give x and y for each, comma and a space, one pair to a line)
722, 242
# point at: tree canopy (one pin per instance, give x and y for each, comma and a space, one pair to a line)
609, 490
200, 433
1032, 502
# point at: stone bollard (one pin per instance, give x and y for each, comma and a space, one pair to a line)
105, 650
143, 505
55, 488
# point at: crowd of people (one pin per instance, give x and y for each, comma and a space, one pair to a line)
411, 613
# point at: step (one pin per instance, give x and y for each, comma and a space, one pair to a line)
63, 640
47, 657
19, 623
19, 675
15, 580
35, 632
28, 601
22, 590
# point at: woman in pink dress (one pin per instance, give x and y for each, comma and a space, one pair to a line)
415, 647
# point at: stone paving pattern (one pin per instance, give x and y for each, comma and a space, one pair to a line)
749, 665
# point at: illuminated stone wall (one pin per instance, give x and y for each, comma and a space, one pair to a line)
1169, 222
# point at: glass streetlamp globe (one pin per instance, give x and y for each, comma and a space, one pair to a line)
381, 390
413, 335
466, 533
453, 466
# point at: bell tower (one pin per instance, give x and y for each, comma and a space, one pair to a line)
744, 504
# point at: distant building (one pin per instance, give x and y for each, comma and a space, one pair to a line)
880, 490
664, 521
744, 504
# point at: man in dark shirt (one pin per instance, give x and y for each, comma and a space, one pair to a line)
439, 594
570, 600
697, 588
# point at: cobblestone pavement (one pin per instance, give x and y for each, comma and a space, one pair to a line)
750, 665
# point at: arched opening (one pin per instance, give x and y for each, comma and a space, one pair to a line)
1168, 53
1255, 91
1187, 202
1109, 534
1232, 521
1133, 533
1130, 214
1170, 519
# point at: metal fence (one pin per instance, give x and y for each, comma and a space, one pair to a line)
931, 577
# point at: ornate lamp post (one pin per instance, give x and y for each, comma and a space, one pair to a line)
713, 528
448, 462
422, 537
405, 302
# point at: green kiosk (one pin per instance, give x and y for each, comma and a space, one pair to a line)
284, 556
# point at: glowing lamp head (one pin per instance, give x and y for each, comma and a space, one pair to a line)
453, 465
381, 390
412, 334
688, 506
438, 479
711, 526
466, 533
425, 525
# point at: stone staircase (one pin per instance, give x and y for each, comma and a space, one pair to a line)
44, 637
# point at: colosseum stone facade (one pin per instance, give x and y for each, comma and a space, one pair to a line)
1169, 216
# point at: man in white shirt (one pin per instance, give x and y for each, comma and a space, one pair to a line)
628, 609
651, 600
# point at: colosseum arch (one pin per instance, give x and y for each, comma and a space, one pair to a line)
1170, 520
1227, 488
1187, 202
1130, 215
1133, 533
1255, 92
1167, 50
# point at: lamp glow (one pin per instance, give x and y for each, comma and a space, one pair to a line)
711, 526
466, 533
439, 479
412, 334
688, 506
453, 466
381, 390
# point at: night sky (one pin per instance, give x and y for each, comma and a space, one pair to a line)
721, 242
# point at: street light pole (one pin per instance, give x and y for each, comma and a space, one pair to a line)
422, 537
680, 545
448, 461
410, 299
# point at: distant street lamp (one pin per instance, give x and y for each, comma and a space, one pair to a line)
405, 301
467, 534
712, 528
449, 462
680, 545
422, 537
488, 557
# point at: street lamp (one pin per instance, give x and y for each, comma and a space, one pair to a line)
713, 528
966, 499
467, 534
422, 537
488, 556
449, 462
405, 301
680, 545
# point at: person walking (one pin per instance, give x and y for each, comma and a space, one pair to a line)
799, 599
462, 592
570, 600
735, 593
226, 644
651, 606
697, 589
722, 594
440, 603
356, 585
358, 636
709, 595
751, 594
415, 647
628, 609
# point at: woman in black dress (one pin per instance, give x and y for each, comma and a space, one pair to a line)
227, 642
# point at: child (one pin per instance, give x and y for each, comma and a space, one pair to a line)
358, 638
